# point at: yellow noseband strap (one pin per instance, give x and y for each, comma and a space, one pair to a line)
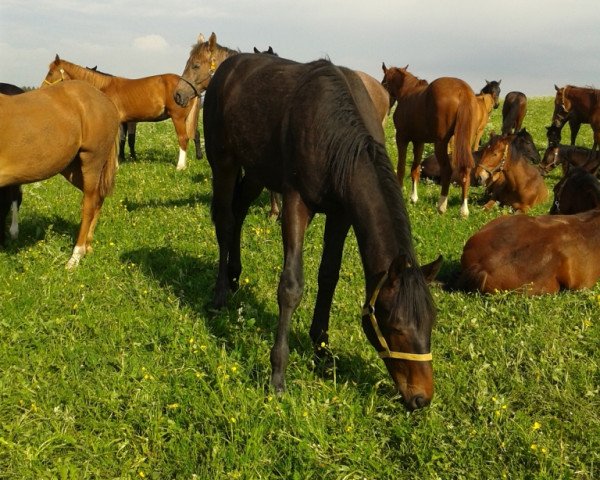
386, 352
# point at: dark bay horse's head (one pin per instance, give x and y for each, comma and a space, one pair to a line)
553, 134
550, 159
493, 158
562, 107
398, 321
493, 88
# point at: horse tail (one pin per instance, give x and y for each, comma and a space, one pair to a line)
464, 134
191, 121
109, 169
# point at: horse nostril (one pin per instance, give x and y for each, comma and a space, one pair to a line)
416, 402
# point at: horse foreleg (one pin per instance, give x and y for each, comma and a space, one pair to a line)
245, 193
183, 140
131, 129
574, 126
295, 219
415, 170
402, 146
336, 230
441, 153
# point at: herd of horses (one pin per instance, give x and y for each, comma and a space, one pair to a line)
313, 134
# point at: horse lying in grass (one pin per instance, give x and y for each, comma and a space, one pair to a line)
11, 196
508, 175
533, 255
76, 134
577, 191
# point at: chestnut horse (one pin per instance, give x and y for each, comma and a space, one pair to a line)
11, 196
485, 104
534, 255
77, 128
581, 104
311, 132
513, 112
147, 99
508, 175
577, 191
433, 113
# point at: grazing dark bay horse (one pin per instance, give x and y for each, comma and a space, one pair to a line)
11, 196
533, 255
147, 99
577, 191
508, 175
513, 112
492, 88
568, 155
433, 113
311, 132
76, 127
581, 104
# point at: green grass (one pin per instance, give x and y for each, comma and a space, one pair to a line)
118, 370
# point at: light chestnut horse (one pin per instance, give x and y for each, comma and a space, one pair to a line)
76, 134
533, 255
433, 113
508, 175
147, 99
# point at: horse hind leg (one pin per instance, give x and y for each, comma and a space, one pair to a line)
17, 197
415, 170
441, 153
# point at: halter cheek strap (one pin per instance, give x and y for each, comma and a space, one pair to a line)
369, 310
211, 72
500, 166
62, 77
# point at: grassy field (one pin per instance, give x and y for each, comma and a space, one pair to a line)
118, 369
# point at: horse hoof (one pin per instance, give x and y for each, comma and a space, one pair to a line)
181, 167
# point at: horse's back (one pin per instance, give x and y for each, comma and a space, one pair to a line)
65, 118
379, 95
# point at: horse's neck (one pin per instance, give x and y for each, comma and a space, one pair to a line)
412, 85
77, 72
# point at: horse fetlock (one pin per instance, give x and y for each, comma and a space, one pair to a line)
442, 204
78, 254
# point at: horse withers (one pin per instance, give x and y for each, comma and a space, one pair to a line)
11, 196
311, 132
508, 175
533, 255
77, 129
433, 113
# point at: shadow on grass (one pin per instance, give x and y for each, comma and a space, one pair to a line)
33, 229
132, 205
192, 280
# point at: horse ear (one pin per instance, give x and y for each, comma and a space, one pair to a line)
487, 82
556, 88
405, 68
383, 67
270, 50
431, 270
201, 38
499, 81
212, 41
256, 50
56, 59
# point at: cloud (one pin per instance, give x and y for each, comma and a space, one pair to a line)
151, 43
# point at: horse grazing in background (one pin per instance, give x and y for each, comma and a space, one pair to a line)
533, 255
76, 127
311, 132
492, 88
513, 112
11, 196
433, 113
147, 99
508, 175
580, 104
568, 155
577, 191
485, 104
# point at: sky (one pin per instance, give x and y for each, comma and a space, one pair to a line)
530, 45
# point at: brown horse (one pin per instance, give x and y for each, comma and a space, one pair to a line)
509, 176
433, 113
485, 104
77, 128
577, 191
311, 132
11, 196
147, 99
581, 104
535, 255
513, 112
568, 155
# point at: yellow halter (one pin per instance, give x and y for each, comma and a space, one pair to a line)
387, 353
62, 77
